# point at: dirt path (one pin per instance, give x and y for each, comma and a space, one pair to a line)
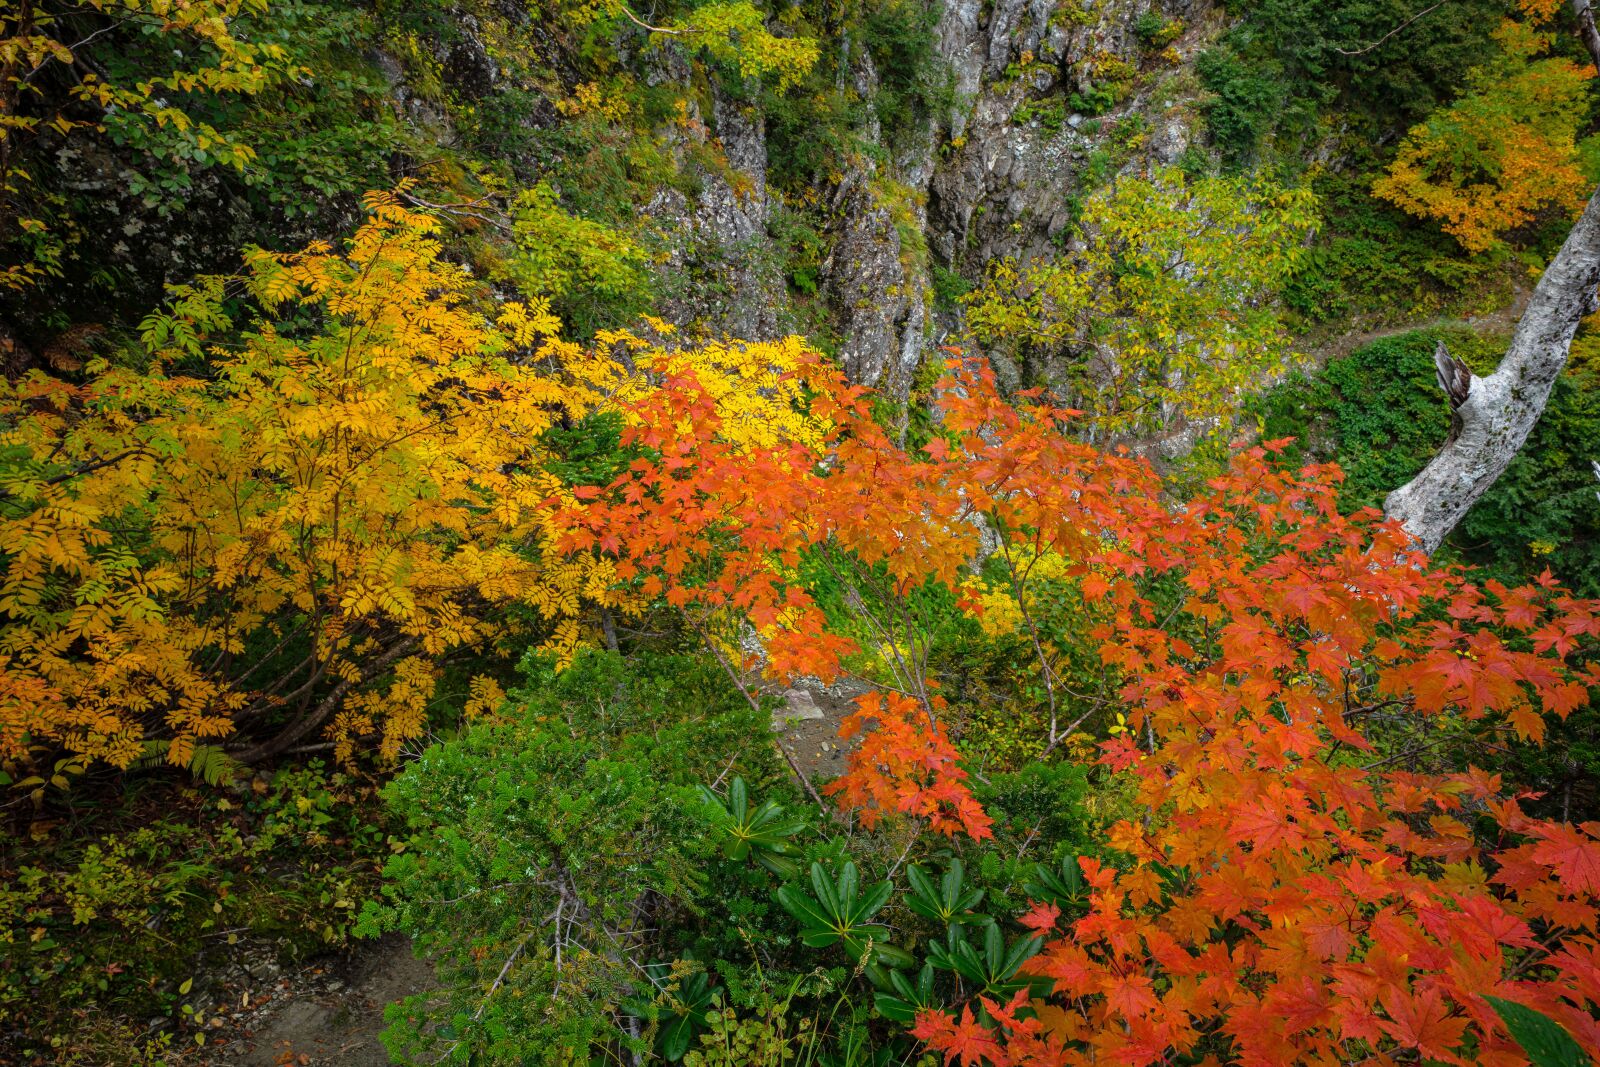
1502, 320
327, 1013
807, 726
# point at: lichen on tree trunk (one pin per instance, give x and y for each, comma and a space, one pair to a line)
1497, 413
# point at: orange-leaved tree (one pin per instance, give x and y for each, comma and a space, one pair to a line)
1506, 150
1288, 893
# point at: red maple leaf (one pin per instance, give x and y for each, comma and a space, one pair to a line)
1423, 1021
965, 1041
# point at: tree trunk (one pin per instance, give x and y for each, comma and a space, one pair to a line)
317, 714
1494, 415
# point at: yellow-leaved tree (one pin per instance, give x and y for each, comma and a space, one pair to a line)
1163, 308
1503, 152
286, 523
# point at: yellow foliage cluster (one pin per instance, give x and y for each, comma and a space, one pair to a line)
759, 401
731, 31
1166, 310
591, 98
996, 610
1504, 151
294, 520
994, 604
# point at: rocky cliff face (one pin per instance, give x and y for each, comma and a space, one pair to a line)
996, 175
1045, 99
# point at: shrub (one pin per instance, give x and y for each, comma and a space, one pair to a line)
1155, 31
546, 844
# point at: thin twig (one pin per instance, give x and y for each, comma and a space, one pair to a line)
1391, 33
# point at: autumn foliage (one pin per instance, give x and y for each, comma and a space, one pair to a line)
1503, 152
279, 525
294, 525
1286, 895
907, 765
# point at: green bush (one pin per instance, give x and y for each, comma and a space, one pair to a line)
914, 84
615, 862
594, 275
1154, 30
1095, 100
546, 845
1380, 415
949, 286
1372, 257
814, 128
1248, 99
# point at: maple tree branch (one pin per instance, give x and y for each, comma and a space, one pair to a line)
916, 833
1544, 949
909, 683
1046, 668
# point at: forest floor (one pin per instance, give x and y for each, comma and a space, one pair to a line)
326, 1012
329, 1010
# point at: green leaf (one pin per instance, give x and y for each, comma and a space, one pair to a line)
797, 903
675, 1038
894, 956
826, 895
777, 865
1541, 1037
909, 998
869, 905
849, 884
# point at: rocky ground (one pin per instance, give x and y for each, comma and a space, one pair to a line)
807, 726
327, 1012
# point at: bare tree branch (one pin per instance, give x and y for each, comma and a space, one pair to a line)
319, 712
1397, 29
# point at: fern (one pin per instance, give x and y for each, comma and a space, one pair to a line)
209, 763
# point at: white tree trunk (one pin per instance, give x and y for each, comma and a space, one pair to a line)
1494, 415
